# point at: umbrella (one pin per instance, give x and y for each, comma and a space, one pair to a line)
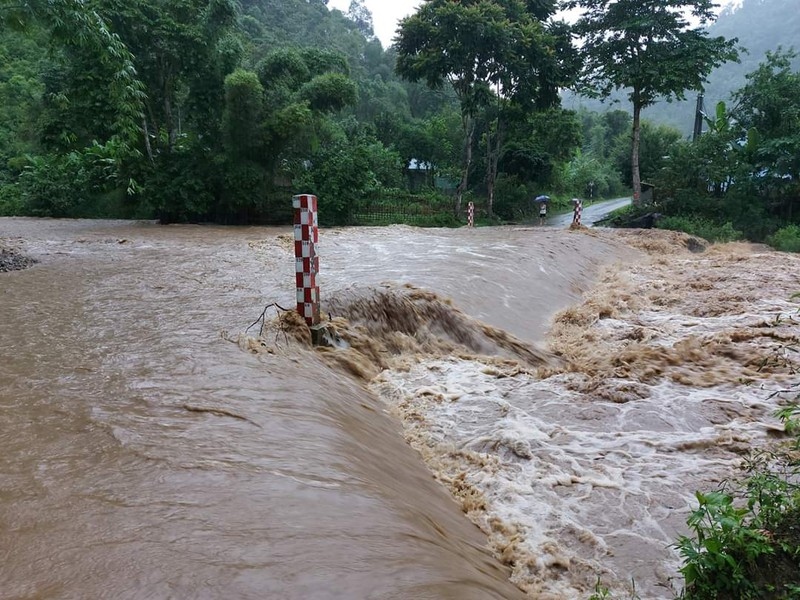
542, 198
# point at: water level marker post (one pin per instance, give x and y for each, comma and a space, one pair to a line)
471, 214
306, 238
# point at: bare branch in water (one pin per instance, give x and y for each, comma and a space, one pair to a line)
262, 318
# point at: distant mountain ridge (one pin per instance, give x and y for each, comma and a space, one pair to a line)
760, 26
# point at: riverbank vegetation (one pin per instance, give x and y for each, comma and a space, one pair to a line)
214, 110
743, 174
745, 540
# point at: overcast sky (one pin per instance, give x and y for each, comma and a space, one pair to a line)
386, 13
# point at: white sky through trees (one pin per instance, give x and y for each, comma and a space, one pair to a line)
386, 13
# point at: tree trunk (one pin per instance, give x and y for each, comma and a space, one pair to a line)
147, 146
493, 144
171, 134
469, 133
637, 181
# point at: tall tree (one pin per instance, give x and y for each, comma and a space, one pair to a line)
492, 52
768, 109
649, 47
181, 59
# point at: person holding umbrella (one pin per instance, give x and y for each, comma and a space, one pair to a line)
542, 202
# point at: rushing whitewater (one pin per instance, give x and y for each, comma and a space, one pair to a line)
153, 448
671, 371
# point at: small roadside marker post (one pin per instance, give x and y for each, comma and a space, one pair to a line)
576, 214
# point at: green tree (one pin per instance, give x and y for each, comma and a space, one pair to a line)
347, 168
655, 145
88, 155
362, 17
330, 92
183, 51
301, 86
182, 61
538, 144
768, 109
21, 90
492, 52
650, 48
242, 119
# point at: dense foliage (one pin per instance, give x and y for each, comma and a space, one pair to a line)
200, 110
745, 170
214, 110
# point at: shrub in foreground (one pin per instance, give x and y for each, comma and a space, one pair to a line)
745, 543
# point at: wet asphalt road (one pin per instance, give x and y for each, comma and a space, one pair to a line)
592, 213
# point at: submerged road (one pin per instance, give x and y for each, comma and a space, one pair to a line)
592, 213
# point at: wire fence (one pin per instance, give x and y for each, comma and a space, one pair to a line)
404, 209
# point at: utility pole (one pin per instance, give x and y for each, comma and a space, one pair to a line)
699, 113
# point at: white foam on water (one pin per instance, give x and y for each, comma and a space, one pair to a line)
578, 475
591, 486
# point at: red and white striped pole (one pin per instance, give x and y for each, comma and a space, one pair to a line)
471, 214
306, 237
576, 215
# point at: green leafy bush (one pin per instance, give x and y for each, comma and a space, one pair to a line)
746, 543
786, 239
513, 199
10, 201
179, 186
347, 171
55, 186
702, 227
724, 549
585, 169
243, 193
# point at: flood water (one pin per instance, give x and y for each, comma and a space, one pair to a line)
149, 452
144, 455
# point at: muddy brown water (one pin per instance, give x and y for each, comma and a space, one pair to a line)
146, 456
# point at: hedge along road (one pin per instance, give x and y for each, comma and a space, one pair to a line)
592, 213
